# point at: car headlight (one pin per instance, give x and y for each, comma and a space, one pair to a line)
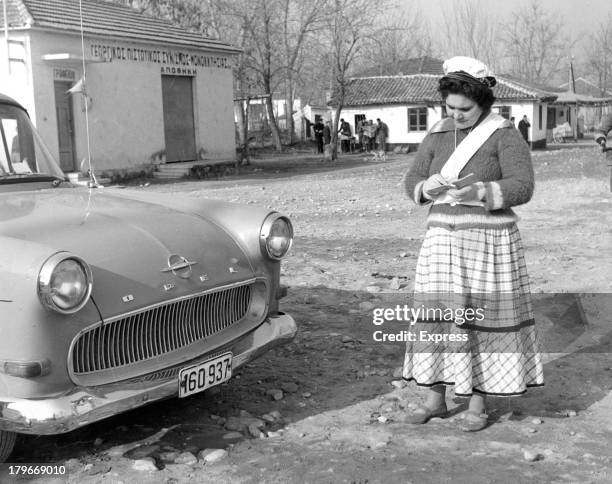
276, 236
64, 283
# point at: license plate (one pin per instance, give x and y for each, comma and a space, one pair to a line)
198, 378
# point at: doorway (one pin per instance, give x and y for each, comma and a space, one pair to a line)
179, 126
65, 125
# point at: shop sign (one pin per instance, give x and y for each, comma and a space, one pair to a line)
63, 74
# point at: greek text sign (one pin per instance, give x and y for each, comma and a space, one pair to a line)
176, 58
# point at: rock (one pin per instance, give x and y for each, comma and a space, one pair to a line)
379, 445
274, 435
366, 306
398, 372
306, 394
394, 284
403, 254
398, 383
572, 413
531, 456
186, 458
347, 339
572, 433
255, 432
210, 456
268, 418
242, 423
99, 468
536, 421
168, 456
233, 436
141, 452
98, 442
275, 394
147, 464
531, 430
382, 419
373, 289
235, 423
275, 413
289, 387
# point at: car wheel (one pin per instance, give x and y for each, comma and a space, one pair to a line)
7, 442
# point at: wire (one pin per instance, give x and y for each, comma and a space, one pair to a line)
91, 171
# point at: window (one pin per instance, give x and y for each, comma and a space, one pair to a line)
504, 111
540, 116
417, 119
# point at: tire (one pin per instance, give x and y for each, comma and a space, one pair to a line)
7, 442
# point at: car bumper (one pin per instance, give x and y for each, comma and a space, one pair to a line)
82, 405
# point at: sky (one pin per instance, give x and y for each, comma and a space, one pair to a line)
578, 14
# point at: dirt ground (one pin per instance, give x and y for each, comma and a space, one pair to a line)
356, 244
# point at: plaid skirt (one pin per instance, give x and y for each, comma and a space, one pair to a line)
475, 327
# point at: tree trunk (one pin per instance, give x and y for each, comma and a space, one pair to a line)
289, 112
276, 139
334, 140
243, 132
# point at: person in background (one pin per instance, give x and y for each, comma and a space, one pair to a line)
318, 134
513, 121
369, 134
523, 127
327, 133
602, 132
382, 132
345, 136
471, 266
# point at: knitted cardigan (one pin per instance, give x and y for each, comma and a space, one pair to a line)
503, 163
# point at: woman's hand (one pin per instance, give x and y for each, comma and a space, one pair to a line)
472, 193
434, 181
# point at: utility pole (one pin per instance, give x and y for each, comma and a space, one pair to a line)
6, 37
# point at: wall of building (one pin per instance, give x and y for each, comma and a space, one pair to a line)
124, 88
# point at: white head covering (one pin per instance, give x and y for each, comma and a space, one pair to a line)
473, 67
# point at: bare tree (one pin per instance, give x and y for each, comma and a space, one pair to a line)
300, 21
350, 23
470, 29
536, 44
398, 36
599, 57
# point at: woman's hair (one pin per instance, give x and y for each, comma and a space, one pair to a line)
474, 89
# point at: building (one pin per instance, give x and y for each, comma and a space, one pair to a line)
127, 90
410, 105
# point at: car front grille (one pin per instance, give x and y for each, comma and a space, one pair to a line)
158, 331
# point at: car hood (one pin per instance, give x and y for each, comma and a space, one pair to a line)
129, 244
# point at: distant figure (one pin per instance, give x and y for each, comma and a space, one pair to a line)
319, 129
327, 133
345, 135
602, 132
382, 132
523, 127
369, 133
512, 120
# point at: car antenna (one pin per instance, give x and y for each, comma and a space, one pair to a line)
93, 182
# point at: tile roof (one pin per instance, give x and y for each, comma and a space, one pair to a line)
423, 89
415, 65
103, 18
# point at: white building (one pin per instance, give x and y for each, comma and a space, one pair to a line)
153, 92
410, 105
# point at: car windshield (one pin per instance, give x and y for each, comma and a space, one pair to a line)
23, 154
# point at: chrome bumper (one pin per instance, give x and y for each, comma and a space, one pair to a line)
84, 405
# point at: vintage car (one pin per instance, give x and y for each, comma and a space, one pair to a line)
111, 298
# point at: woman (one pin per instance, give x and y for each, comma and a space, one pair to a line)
471, 282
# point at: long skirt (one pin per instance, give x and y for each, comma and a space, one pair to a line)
476, 328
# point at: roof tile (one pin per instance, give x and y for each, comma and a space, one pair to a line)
103, 18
